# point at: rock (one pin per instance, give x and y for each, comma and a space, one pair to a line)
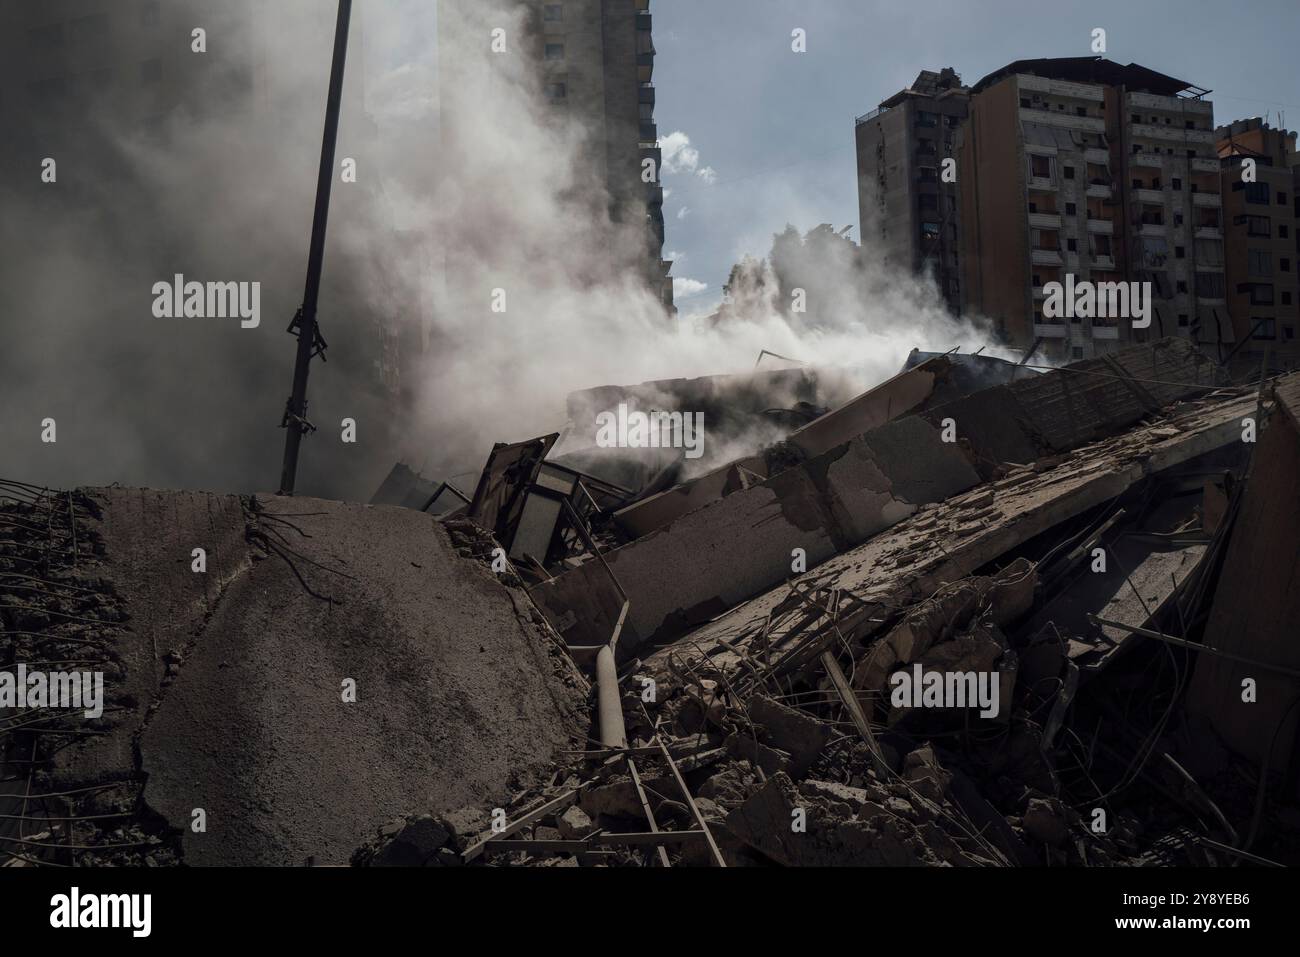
771, 760
574, 824
1045, 820
731, 784
465, 826
415, 844
921, 769
799, 734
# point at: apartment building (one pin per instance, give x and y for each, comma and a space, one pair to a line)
1105, 172
905, 207
596, 60
1262, 224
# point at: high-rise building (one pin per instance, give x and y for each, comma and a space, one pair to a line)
1262, 220
596, 59
907, 208
1081, 167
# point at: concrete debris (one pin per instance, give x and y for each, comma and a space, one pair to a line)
1039, 641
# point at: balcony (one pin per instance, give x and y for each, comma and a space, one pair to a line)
1154, 160
1171, 133
1042, 183
1078, 91
1151, 229
1207, 200
1046, 257
1099, 191
1155, 196
1097, 157
646, 93
1045, 220
1208, 232
1202, 165
1052, 330
649, 132
1106, 263
1104, 227
1170, 104
645, 67
1069, 121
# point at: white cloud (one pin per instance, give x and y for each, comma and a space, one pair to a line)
681, 157
683, 212
674, 256
685, 288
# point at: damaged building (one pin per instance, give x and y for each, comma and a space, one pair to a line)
973, 615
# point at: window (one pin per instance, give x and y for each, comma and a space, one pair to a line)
1072, 245
929, 230
1286, 298
926, 119
1281, 198
1183, 320
1288, 332
1101, 246
1071, 209
1033, 207
1076, 352
1137, 184
1256, 192
1040, 167
1178, 219
555, 91
1135, 117
1180, 252
1259, 262
1284, 265
929, 174
1024, 102
1182, 285
1177, 185
1282, 231
1189, 124
1080, 111
553, 12
1261, 293
1068, 172
1210, 285
554, 51
927, 201
1255, 225
1264, 328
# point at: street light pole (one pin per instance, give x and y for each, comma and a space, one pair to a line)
309, 338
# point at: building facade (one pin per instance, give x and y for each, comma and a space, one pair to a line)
1084, 168
907, 208
1260, 177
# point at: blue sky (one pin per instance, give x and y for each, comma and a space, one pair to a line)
774, 130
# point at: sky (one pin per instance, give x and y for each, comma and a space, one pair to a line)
762, 136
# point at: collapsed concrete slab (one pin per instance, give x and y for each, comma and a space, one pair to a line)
1257, 603
714, 557
944, 543
317, 671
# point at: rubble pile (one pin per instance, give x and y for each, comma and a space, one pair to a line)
995, 675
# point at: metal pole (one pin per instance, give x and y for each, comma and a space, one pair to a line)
295, 413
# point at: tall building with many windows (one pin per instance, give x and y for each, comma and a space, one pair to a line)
1104, 172
907, 208
596, 59
1261, 197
